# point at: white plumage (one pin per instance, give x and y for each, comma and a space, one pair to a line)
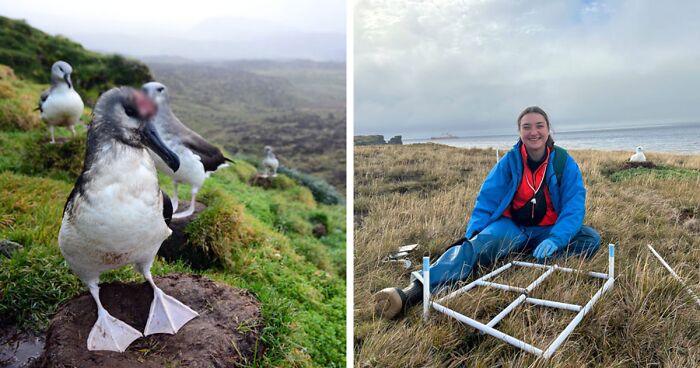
270, 163
114, 215
198, 158
638, 156
60, 105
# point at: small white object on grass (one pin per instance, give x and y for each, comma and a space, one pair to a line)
638, 156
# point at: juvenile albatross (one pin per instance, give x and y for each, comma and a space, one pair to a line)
198, 158
270, 162
114, 216
60, 105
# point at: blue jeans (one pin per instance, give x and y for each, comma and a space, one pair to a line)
497, 241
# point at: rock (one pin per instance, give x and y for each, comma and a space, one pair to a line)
7, 247
177, 246
366, 140
395, 140
225, 334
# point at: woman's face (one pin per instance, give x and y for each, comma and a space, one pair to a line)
534, 131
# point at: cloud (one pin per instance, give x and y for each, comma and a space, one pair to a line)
466, 66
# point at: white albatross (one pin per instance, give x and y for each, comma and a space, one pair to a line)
115, 214
270, 163
638, 156
60, 105
198, 158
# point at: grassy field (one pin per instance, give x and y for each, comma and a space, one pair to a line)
425, 193
297, 107
263, 240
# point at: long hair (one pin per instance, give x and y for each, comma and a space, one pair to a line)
538, 110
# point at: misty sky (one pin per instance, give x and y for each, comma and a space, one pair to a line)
206, 29
469, 67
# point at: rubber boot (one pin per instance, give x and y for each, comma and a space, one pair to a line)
391, 302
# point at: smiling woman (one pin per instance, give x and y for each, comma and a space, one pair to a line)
533, 199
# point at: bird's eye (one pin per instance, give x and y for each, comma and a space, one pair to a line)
130, 111
160, 89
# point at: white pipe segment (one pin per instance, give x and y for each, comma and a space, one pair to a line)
523, 297
488, 330
675, 275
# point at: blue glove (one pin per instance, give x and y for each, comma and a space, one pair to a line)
545, 249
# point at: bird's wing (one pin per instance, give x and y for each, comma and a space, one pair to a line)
210, 155
42, 99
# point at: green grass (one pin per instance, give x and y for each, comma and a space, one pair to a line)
31, 52
262, 239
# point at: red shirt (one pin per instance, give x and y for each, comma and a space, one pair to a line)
531, 184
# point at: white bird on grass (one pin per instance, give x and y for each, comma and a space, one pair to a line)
198, 158
638, 156
115, 214
60, 105
270, 163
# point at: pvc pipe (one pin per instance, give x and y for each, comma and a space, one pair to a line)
570, 328
426, 287
508, 309
553, 304
675, 275
501, 286
599, 275
475, 283
539, 280
611, 261
488, 330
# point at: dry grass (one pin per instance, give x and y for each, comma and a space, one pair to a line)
425, 193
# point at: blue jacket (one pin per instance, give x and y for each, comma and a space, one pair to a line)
498, 190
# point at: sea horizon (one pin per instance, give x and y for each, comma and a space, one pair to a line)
681, 138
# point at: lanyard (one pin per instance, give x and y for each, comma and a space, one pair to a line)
535, 190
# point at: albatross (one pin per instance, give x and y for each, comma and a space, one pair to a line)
114, 216
198, 158
270, 162
638, 156
60, 105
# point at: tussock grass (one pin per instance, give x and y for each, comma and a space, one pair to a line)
425, 193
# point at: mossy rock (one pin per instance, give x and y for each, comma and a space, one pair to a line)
220, 229
271, 182
62, 160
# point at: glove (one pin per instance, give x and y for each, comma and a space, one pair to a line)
545, 249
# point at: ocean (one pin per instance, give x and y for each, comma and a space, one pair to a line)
674, 138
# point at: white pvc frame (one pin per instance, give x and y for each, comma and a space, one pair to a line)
489, 327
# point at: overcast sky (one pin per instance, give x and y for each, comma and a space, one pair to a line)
469, 67
143, 27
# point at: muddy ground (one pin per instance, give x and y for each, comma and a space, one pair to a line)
226, 333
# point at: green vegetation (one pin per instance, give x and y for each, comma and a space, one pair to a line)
424, 194
296, 107
31, 52
265, 240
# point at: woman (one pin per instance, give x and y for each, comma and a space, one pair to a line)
533, 198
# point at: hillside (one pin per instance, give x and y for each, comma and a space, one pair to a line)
424, 193
264, 240
31, 52
298, 107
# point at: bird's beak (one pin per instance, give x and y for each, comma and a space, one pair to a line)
66, 77
152, 140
